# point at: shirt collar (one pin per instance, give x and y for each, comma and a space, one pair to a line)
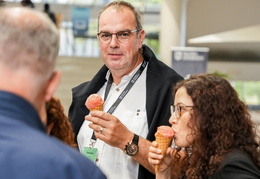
125, 78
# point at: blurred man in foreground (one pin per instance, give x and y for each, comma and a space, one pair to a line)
29, 44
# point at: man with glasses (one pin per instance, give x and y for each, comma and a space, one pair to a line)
137, 90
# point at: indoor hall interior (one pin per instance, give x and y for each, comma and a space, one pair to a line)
230, 29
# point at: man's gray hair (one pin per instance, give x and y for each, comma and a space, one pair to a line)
30, 41
122, 4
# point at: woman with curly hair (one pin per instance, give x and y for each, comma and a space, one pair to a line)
215, 131
57, 123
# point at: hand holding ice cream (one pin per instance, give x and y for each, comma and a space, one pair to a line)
163, 137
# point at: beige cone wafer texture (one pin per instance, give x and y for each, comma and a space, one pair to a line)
163, 144
97, 108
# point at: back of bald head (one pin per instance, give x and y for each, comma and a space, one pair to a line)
28, 40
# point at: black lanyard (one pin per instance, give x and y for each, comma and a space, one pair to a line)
123, 94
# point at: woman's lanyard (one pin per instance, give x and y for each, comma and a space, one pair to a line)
122, 95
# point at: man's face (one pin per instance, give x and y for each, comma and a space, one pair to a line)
120, 56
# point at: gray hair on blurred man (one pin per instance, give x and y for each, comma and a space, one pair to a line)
29, 45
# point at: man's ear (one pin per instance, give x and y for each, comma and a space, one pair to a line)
52, 85
141, 36
49, 128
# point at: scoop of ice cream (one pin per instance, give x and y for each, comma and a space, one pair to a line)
166, 131
93, 101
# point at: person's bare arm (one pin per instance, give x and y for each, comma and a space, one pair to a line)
142, 156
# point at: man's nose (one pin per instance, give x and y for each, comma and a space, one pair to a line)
114, 41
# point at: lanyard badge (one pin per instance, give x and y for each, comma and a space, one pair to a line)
91, 153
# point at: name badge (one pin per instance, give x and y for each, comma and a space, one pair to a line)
91, 153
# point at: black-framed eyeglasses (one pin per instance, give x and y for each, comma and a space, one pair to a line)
122, 36
178, 109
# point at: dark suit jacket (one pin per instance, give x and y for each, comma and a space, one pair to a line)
160, 79
237, 165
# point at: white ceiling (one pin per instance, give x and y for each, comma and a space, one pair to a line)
230, 28
240, 35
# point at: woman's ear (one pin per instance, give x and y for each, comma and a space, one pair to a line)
52, 85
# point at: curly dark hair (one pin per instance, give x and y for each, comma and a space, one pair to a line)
62, 128
221, 122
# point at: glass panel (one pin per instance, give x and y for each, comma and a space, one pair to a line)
248, 91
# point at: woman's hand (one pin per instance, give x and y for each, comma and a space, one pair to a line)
155, 157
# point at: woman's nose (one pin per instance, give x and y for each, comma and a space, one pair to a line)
173, 119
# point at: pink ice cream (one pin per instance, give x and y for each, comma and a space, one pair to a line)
94, 101
166, 131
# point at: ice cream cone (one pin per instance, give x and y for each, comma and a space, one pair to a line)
163, 142
98, 108
94, 102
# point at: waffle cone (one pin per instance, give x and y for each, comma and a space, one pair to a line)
163, 144
98, 108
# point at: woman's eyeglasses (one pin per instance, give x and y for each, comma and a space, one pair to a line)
178, 109
122, 36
